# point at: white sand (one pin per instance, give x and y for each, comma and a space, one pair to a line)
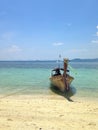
47, 113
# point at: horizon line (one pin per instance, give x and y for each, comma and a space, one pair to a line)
55, 59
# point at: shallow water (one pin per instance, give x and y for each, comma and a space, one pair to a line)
32, 77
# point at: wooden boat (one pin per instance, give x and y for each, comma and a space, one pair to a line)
60, 77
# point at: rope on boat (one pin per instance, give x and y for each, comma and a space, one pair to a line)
74, 70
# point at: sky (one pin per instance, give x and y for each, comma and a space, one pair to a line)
45, 29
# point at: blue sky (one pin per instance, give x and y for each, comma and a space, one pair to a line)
43, 29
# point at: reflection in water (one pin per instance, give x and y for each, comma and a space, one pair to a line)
66, 94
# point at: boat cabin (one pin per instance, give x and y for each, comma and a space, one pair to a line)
57, 71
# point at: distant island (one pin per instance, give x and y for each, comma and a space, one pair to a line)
84, 60
72, 60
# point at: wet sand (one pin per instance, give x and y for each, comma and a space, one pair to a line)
52, 112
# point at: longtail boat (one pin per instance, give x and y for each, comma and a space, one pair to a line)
60, 77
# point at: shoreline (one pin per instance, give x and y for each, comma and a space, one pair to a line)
47, 112
58, 95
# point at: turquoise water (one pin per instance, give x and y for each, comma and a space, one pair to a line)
32, 77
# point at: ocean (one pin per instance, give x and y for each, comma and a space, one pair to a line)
32, 77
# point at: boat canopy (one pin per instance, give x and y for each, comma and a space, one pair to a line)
56, 69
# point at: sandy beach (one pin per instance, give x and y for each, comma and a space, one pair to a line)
52, 112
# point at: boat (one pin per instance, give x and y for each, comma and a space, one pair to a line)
60, 77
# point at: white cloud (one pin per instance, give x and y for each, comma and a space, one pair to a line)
13, 49
97, 26
58, 44
97, 34
7, 35
69, 24
78, 50
10, 53
94, 41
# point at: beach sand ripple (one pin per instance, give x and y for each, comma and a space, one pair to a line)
43, 112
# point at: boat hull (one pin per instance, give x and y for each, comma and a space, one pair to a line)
60, 82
